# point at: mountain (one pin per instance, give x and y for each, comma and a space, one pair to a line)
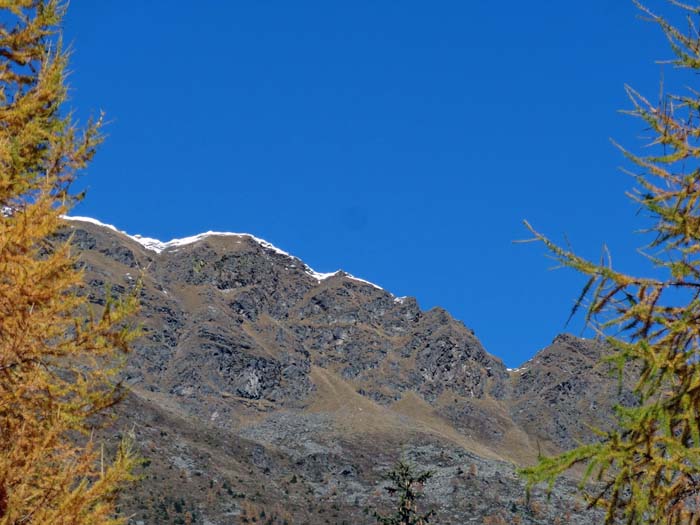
262, 386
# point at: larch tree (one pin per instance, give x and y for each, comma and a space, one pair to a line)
647, 469
58, 358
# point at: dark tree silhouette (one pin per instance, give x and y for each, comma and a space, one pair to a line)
407, 485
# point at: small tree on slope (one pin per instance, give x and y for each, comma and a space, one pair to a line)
648, 468
57, 361
406, 483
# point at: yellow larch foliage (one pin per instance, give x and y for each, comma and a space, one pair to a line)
647, 469
58, 358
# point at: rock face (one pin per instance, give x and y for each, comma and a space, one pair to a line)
260, 385
565, 390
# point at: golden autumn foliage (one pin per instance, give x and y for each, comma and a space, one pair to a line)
58, 358
647, 470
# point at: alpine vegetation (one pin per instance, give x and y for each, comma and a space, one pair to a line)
646, 469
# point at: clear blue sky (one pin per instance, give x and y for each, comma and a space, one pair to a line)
401, 141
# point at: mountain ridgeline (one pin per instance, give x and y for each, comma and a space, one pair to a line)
262, 390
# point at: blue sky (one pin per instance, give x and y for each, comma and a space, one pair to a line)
401, 141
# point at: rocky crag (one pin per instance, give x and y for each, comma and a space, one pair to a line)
263, 389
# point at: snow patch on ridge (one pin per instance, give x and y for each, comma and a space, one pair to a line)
320, 276
93, 221
158, 246
363, 281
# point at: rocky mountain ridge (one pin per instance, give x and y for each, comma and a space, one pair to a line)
255, 371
